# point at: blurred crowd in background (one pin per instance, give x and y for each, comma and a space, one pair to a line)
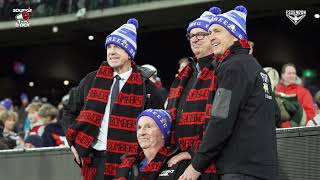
33, 124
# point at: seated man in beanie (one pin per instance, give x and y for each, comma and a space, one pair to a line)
101, 113
153, 130
240, 137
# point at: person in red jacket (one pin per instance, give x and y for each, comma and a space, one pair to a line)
288, 85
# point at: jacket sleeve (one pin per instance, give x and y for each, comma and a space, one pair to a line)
72, 109
231, 89
307, 104
47, 138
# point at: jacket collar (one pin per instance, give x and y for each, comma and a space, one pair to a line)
239, 47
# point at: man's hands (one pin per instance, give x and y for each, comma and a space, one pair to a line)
179, 157
190, 174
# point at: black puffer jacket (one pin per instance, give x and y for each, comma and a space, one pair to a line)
241, 137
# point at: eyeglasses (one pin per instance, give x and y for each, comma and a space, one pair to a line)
199, 35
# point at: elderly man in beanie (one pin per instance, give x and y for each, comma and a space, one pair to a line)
192, 92
102, 126
240, 137
153, 132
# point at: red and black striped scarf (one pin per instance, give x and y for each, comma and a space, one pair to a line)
188, 130
121, 127
150, 171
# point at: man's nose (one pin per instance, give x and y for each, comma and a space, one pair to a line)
194, 40
212, 37
142, 132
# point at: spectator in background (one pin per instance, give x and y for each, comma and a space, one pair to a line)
33, 141
153, 133
3, 142
36, 101
61, 105
2, 108
251, 47
22, 113
288, 86
274, 77
155, 79
316, 119
192, 93
36, 125
53, 134
290, 110
317, 99
7, 103
9, 119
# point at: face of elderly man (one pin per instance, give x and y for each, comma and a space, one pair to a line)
118, 58
200, 42
148, 134
221, 39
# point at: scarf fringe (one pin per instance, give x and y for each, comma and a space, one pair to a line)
88, 173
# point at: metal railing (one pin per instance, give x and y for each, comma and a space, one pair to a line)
298, 158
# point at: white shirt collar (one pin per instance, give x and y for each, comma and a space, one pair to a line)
125, 75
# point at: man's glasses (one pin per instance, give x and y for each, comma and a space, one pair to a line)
199, 35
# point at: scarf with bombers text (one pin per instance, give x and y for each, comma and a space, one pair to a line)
187, 131
121, 125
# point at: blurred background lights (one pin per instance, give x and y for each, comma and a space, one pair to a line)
55, 29
309, 73
31, 84
66, 82
90, 37
19, 68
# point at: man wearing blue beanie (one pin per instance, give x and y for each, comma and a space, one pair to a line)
192, 93
100, 116
153, 133
240, 137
